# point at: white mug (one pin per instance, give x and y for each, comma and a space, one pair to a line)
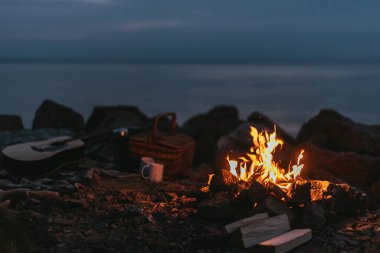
144, 161
156, 171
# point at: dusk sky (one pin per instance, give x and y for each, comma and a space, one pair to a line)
173, 29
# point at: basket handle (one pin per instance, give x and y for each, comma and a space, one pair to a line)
156, 119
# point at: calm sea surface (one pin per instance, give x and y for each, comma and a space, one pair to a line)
290, 93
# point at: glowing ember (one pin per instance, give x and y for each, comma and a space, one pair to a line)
209, 178
260, 162
207, 188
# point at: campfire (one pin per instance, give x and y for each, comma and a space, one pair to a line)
268, 198
260, 165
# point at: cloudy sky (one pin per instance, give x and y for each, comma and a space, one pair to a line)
197, 29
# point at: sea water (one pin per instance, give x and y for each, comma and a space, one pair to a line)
290, 94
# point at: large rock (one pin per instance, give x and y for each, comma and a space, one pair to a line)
240, 141
53, 115
262, 122
207, 128
107, 117
313, 216
358, 170
10, 122
331, 130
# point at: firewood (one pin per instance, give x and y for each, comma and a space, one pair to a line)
217, 207
223, 181
299, 193
274, 206
276, 190
257, 192
344, 196
240, 223
319, 190
285, 242
260, 230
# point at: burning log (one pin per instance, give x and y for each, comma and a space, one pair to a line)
342, 198
239, 188
223, 181
260, 230
258, 164
276, 190
299, 193
286, 242
257, 192
319, 190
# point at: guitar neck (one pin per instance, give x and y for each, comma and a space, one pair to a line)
126, 131
88, 137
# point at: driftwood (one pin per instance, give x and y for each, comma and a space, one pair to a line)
260, 230
286, 242
240, 223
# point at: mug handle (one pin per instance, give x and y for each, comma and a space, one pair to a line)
143, 170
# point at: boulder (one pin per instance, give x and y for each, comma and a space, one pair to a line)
331, 130
262, 122
10, 122
53, 115
207, 128
313, 216
107, 117
356, 169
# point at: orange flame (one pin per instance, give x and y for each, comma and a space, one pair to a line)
207, 187
261, 164
210, 176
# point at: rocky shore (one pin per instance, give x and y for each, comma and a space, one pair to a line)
91, 207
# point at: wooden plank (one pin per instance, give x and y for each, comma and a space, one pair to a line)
260, 230
285, 242
240, 223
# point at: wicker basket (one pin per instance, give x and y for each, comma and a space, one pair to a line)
174, 150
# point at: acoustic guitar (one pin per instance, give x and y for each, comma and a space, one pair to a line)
43, 157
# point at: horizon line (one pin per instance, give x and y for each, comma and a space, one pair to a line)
183, 60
